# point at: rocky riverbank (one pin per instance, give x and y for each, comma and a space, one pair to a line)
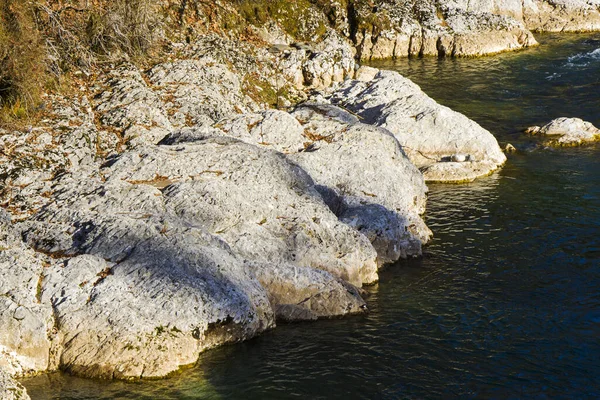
157, 212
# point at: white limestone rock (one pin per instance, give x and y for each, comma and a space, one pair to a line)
331, 61
127, 103
429, 133
382, 193
149, 294
359, 169
265, 207
567, 132
562, 15
199, 91
11, 389
26, 323
442, 29
304, 293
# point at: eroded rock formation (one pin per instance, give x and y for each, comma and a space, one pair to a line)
444, 144
566, 132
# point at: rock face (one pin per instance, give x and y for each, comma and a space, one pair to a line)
567, 132
397, 28
10, 389
436, 28
445, 145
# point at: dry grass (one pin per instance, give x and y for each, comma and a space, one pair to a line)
130, 26
42, 40
22, 58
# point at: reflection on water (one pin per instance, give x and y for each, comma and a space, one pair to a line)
504, 304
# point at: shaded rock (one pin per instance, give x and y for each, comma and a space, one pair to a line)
383, 194
304, 293
11, 389
430, 134
567, 132
265, 207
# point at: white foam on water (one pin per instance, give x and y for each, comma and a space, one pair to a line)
583, 59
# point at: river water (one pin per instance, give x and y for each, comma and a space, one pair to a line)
505, 302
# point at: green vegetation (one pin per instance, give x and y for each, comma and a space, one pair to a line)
298, 18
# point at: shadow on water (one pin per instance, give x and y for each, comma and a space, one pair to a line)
504, 304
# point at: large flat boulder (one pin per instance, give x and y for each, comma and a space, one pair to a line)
146, 295
444, 144
138, 289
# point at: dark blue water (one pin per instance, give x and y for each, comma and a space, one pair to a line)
504, 304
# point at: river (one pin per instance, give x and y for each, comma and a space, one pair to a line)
505, 302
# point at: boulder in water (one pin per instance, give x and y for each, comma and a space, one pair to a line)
566, 132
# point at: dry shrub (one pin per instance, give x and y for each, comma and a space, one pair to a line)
22, 57
130, 26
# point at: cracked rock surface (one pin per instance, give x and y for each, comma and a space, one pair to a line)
444, 144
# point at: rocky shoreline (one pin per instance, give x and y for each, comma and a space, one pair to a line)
160, 212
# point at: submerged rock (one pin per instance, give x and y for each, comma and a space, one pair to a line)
444, 144
567, 132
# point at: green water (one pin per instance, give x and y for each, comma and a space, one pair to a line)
505, 302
